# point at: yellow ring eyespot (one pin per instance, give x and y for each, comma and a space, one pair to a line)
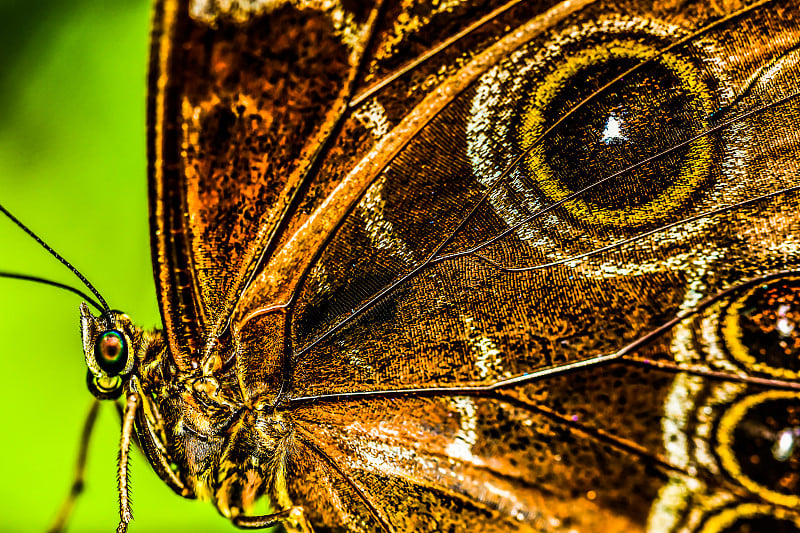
761, 329
745, 439
758, 516
657, 202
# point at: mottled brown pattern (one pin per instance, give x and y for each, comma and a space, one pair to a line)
250, 101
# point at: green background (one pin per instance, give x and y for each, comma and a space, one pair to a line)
73, 167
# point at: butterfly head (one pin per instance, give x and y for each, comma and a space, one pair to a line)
109, 351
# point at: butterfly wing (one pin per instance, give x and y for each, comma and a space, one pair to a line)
449, 280
236, 112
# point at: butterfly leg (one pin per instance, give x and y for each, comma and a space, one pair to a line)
80, 470
293, 520
123, 486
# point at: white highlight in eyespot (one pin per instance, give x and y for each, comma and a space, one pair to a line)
784, 325
613, 132
784, 445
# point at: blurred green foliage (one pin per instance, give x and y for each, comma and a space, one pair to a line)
73, 167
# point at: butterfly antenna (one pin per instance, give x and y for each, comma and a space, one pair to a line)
44, 281
102, 306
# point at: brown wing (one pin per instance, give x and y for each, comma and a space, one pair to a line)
242, 104
449, 241
462, 276
238, 108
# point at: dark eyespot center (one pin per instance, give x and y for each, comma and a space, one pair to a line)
619, 129
749, 435
632, 151
761, 328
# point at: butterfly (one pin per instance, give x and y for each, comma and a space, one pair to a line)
541, 281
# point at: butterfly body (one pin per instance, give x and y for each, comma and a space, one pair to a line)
202, 440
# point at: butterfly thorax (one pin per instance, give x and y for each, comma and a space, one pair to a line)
225, 453
195, 430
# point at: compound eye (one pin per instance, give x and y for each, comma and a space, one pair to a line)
111, 352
